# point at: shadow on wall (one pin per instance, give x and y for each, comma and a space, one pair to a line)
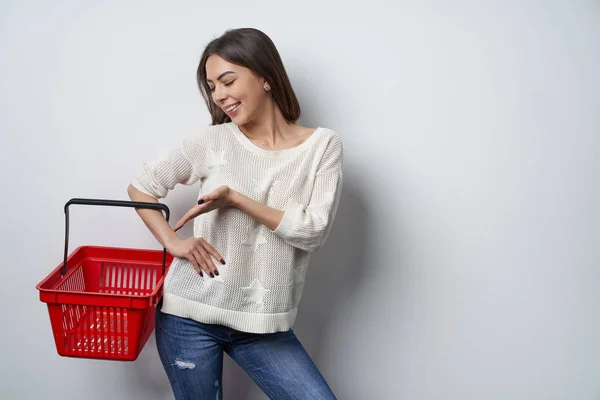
334, 274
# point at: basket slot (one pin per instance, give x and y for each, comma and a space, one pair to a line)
117, 278
136, 280
111, 274
123, 279
154, 276
149, 280
146, 275
104, 278
127, 279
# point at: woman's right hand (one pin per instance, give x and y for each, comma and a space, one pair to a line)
197, 251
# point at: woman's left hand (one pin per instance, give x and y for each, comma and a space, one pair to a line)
218, 198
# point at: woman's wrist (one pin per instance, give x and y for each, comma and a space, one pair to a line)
235, 198
168, 241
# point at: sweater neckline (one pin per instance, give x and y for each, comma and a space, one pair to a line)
248, 144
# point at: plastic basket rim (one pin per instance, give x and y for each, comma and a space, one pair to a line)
157, 287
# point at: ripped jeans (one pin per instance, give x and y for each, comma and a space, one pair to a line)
192, 354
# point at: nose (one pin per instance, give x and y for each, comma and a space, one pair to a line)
219, 94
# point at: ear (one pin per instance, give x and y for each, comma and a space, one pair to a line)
265, 85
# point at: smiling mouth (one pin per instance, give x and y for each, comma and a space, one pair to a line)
232, 107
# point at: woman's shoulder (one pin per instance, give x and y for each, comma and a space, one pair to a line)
330, 136
325, 132
209, 132
331, 142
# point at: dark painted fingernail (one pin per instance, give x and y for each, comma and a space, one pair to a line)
212, 275
216, 272
200, 273
200, 201
222, 261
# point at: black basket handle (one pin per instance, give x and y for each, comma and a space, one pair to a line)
114, 203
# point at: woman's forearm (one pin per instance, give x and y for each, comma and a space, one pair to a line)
154, 219
268, 216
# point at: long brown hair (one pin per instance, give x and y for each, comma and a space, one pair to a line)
250, 48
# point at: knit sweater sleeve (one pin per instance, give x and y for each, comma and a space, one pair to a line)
182, 164
307, 226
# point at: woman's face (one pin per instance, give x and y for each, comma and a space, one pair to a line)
235, 89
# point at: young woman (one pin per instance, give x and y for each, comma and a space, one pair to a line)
269, 194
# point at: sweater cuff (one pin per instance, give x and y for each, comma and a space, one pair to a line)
292, 210
136, 184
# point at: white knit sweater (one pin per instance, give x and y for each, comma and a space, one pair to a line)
259, 287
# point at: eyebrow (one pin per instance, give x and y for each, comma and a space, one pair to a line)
222, 75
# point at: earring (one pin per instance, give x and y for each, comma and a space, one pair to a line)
267, 87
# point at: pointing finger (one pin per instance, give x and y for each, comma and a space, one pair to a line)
192, 213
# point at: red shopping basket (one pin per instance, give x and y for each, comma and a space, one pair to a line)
101, 300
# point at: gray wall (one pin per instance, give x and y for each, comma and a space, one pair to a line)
464, 259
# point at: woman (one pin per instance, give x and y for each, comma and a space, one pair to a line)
269, 194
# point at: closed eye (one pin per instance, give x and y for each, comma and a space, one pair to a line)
225, 84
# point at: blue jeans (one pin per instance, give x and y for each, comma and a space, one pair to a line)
192, 354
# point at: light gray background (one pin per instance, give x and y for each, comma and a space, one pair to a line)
464, 259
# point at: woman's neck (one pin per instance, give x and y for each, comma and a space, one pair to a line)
270, 127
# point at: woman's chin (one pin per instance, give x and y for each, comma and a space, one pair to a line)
238, 119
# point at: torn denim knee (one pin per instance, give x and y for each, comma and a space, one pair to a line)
181, 364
